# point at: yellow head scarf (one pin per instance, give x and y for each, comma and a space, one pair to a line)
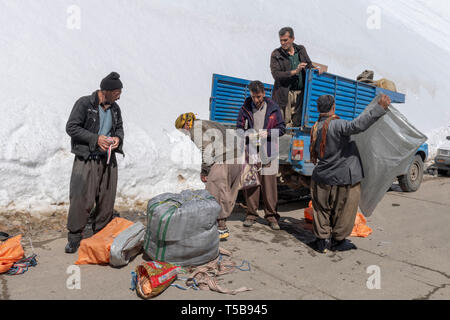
188, 118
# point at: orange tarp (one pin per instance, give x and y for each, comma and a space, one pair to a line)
11, 251
360, 229
96, 249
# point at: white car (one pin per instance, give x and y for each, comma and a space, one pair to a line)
442, 160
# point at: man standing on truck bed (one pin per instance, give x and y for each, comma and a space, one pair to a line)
335, 183
96, 131
263, 115
288, 64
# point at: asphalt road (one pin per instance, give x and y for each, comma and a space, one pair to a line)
406, 257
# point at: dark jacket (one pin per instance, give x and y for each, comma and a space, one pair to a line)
280, 66
83, 125
341, 164
273, 119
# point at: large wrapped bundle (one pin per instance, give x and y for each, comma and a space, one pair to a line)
182, 228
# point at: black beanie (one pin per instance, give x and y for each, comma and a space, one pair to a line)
111, 82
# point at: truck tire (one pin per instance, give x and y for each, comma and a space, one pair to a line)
411, 181
442, 172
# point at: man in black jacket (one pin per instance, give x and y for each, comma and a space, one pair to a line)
288, 64
96, 131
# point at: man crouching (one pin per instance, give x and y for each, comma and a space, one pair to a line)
222, 176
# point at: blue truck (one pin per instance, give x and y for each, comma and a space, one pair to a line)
352, 97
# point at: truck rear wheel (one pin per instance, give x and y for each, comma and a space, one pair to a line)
411, 181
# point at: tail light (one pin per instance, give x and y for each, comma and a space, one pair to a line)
297, 150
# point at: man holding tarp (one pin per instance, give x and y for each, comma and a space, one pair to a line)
336, 180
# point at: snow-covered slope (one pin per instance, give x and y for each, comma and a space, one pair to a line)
166, 53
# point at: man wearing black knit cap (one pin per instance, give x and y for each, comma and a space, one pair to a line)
96, 131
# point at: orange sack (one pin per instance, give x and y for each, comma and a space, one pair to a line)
309, 214
11, 251
96, 249
360, 229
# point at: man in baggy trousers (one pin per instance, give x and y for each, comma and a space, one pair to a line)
336, 180
96, 131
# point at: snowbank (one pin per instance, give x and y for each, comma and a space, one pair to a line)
166, 53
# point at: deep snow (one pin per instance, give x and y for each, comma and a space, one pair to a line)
166, 53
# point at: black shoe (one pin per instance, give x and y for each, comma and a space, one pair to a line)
342, 245
88, 231
115, 214
321, 245
72, 247
4, 236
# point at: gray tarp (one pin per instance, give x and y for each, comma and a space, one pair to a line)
127, 245
182, 228
386, 149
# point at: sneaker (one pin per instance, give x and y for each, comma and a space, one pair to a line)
321, 245
224, 234
274, 225
248, 223
72, 247
342, 245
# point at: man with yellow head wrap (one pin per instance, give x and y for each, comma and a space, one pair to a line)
185, 121
222, 179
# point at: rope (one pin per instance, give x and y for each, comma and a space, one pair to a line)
133, 281
242, 264
193, 285
178, 286
205, 277
22, 266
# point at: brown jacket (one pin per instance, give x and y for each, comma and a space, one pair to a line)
280, 66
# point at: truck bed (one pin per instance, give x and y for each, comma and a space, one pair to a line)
352, 97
